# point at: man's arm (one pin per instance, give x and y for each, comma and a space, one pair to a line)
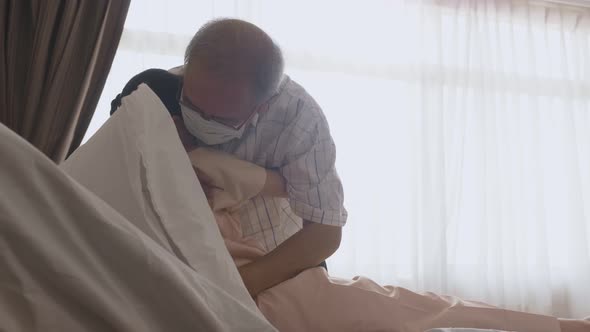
315, 194
305, 249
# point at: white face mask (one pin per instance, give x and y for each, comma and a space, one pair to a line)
210, 132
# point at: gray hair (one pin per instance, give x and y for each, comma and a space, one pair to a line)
238, 49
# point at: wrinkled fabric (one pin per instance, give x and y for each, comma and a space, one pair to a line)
315, 301
122, 240
232, 179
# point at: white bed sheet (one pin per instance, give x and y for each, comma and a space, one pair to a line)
130, 249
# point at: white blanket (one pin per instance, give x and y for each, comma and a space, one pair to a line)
125, 242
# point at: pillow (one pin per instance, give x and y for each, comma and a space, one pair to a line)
136, 163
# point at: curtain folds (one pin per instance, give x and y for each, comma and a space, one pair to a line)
54, 59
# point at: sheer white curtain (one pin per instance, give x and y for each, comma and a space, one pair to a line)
462, 127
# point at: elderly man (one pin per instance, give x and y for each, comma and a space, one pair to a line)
232, 96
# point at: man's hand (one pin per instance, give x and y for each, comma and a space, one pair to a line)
305, 249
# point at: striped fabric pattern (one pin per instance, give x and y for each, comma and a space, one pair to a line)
291, 135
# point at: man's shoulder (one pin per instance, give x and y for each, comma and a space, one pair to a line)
291, 89
164, 84
294, 103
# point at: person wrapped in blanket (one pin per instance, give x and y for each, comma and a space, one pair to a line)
232, 97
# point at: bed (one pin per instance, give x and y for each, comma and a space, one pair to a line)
118, 237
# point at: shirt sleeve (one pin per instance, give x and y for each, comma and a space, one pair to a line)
314, 187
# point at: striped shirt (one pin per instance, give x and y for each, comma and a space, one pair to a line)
293, 137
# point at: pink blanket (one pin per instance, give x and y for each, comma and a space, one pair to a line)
315, 301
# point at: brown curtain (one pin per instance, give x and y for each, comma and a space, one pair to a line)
55, 56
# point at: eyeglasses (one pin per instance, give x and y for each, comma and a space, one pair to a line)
232, 123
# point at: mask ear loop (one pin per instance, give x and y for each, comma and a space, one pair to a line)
254, 120
264, 107
261, 109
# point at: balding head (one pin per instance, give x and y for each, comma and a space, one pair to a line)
237, 51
